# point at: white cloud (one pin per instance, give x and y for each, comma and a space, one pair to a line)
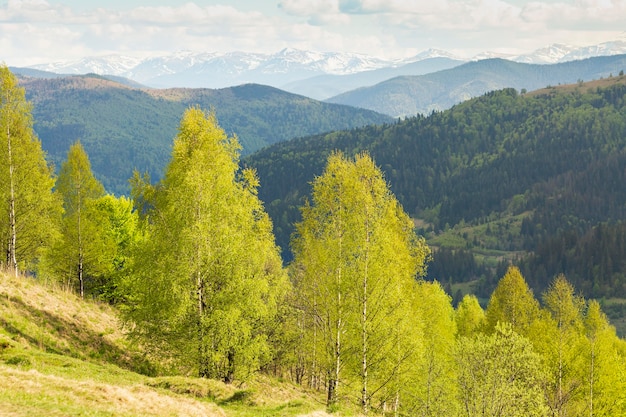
318, 12
35, 31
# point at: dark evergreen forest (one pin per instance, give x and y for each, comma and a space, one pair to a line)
537, 177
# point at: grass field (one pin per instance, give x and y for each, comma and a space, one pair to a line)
62, 356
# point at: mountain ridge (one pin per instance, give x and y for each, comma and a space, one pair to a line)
124, 128
437, 91
215, 70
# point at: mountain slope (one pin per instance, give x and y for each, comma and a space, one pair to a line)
63, 356
123, 128
519, 169
325, 86
409, 95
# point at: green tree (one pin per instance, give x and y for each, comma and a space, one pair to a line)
470, 317
512, 302
432, 389
605, 366
565, 391
29, 209
123, 233
208, 279
500, 375
85, 249
355, 255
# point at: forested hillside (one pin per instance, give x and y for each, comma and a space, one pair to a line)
506, 174
124, 128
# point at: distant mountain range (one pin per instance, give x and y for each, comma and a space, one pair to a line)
436, 91
289, 66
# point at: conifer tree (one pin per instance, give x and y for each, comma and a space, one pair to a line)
208, 279
29, 209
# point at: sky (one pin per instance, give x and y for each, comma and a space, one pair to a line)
43, 31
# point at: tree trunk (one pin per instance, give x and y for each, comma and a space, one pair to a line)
11, 253
593, 356
80, 275
230, 373
364, 329
203, 363
333, 382
334, 377
80, 239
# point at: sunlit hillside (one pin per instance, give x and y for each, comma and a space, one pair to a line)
62, 356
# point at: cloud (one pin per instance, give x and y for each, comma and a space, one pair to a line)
36, 31
317, 12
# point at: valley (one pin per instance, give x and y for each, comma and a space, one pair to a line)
334, 272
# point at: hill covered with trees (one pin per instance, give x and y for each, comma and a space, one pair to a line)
123, 128
533, 178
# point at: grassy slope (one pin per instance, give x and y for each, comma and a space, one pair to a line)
62, 356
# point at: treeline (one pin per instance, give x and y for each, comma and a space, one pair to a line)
192, 265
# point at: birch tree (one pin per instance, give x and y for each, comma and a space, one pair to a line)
513, 302
356, 255
470, 316
85, 249
500, 375
606, 368
565, 365
207, 282
29, 210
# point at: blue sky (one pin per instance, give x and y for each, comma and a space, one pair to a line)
41, 31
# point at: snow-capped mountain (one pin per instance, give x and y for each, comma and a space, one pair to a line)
192, 69
216, 70
429, 54
109, 64
551, 54
556, 53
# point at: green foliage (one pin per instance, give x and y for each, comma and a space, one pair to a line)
123, 233
512, 302
470, 317
531, 173
28, 208
432, 388
604, 381
356, 257
500, 375
86, 248
565, 338
126, 128
207, 280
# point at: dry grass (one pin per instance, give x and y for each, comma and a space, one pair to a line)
53, 320
580, 86
63, 356
35, 394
